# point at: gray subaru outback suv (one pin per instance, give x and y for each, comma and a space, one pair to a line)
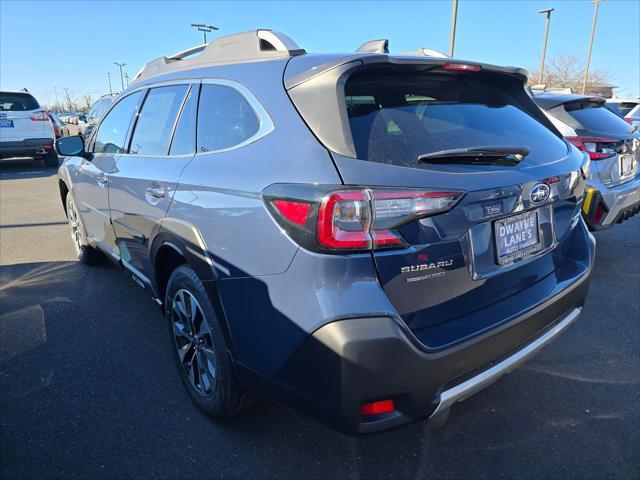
366, 237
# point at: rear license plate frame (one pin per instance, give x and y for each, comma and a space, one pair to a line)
521, 252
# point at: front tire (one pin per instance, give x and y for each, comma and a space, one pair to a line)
86, 253
200, 348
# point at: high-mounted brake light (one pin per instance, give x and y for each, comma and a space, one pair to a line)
378, 408
597, 148
461, 67
42, 117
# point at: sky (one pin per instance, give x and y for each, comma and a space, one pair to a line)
49, 46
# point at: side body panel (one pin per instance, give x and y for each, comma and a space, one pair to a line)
90, 189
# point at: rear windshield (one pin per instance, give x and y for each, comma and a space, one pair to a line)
621, 109
590, 116
17, 102
397, 116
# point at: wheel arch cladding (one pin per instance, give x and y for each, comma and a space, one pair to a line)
177, 243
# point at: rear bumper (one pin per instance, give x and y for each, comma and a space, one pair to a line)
347, 363
604, 207
26, 148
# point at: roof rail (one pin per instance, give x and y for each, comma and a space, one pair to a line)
254, 45
375, 46
426, 52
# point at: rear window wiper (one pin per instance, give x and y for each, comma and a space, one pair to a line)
477, 155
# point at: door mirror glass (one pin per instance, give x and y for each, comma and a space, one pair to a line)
70, 146
82, 118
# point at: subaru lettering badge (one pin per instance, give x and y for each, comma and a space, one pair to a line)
539, 193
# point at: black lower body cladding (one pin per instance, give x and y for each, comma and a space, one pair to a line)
350, 362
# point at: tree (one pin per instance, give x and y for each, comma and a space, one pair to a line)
86, 101
67, 100
567, 71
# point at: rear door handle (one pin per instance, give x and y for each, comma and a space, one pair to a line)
102, 180
156, 192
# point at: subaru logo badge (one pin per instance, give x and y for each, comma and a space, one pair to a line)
539, 193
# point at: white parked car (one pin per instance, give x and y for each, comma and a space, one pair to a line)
25, 128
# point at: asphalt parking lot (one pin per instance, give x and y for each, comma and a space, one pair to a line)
88, 387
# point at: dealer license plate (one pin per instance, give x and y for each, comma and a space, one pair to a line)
517, 236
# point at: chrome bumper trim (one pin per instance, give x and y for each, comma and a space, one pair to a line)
487, 377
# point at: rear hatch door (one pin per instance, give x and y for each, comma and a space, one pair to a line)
499, 238
17, 113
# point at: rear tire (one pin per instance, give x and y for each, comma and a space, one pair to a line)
51, 159
86, 253
200, 348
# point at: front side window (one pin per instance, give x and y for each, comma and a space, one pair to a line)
157, 118
112, 133
225, 118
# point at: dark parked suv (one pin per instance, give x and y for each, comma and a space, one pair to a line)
367, 237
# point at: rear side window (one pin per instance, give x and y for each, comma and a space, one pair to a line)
396, 116
17, 102
157, 118
112, 132
184, 138
225, 118
590, 116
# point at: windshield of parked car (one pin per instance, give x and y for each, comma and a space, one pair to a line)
17, 102
397, 116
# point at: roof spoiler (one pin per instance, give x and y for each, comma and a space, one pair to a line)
254, 45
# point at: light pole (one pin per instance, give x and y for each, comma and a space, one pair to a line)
120, 65
55, 90
204, 29
454, 18
126, 75
109, 77
546, 36
593, 31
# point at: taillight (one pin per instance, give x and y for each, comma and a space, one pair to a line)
344, 220
461, 67
628, 120
597, 148
40, 117
352, 219
296, 212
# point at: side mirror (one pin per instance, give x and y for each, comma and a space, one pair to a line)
71, 147
82, 118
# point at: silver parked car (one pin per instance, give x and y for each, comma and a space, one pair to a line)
614, 148
88, 121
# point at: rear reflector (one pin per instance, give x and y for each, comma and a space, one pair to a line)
296, 212
462, 67
378, 408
